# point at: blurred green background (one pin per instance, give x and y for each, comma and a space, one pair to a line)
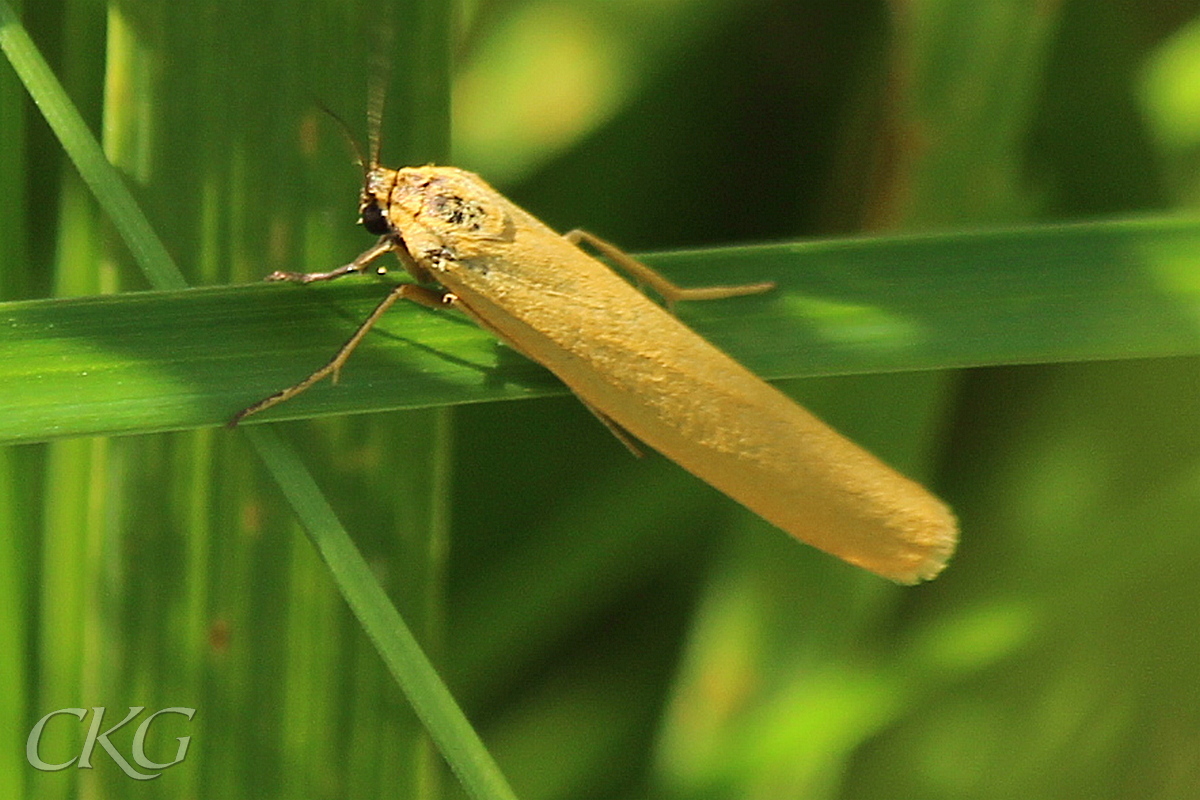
613, 627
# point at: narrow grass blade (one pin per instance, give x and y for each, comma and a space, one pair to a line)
429, 697
85, 152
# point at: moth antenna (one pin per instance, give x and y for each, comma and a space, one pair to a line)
374, 123
348, 134
380, 73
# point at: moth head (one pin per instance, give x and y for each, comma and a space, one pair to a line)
372, 207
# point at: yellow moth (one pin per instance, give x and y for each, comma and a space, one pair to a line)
637, 367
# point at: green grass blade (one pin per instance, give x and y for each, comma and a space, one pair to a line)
85, 152
429, 697
163, 361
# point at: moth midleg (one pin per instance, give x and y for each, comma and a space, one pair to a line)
670, 292
405, 291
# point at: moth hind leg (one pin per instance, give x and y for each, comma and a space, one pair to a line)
623, 436
671, 293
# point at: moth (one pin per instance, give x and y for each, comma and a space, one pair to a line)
641, 371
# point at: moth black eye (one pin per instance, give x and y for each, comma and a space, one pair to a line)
374, 220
